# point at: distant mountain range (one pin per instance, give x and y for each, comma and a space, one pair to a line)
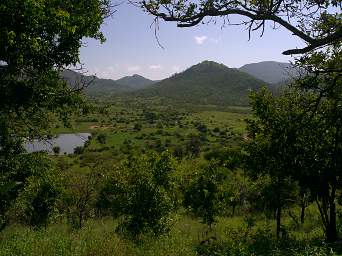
271, 72
205, 83
98, 86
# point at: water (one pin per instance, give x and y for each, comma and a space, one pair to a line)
66, 142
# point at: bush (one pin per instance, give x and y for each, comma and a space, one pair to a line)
204, 196
137, 127
56, 150
78, 150
102, 138
38, 200
141, 191
80, 198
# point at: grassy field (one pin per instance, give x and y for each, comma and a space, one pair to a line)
233, 236
139, 126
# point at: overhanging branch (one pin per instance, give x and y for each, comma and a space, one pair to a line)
253, 15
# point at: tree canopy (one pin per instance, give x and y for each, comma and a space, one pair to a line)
37, 40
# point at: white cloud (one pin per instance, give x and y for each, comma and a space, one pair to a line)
133, 68
155, 66
200, 39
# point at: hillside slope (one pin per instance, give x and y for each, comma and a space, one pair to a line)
135, 82
206, 83
270, 71
94, 86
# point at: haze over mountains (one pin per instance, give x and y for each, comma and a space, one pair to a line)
206, 83
271, 72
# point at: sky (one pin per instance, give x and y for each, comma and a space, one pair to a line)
132, 48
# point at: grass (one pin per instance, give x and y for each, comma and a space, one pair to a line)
98, 237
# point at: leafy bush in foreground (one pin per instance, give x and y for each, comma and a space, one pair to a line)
141, 192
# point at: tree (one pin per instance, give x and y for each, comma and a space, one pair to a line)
205, 196
236, 189
37, 202
298, 136
272, 150
317, 23
142, 191
80, 197
37, 40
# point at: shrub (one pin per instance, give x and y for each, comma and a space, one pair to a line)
78, 150
141, 191
38, 200
204, 196
102, 138
56, 150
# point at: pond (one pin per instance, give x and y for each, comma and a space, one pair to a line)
66, 142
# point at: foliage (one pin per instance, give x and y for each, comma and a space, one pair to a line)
78, 150
297, 135
56, 150
101, 138
274, 147
229, 158
204, 195
37, 39
37, 202
142, 192
16, 171
80, 197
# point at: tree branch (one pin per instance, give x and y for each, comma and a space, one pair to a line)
256, 14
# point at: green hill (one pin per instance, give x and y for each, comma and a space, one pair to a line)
206, 83
135, 82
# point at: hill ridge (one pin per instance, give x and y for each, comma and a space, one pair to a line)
207, 82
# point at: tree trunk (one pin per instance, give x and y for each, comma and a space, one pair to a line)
278, 221
302, 213
331, 232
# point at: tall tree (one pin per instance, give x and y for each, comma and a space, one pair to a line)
298, 136
37, 39
322, 146
271, 150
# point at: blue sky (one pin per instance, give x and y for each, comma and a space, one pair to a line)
131, 46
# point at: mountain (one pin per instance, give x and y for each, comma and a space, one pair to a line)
105, 87
270, 71
135, 82
206, 83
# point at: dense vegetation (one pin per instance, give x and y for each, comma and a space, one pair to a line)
152, 170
